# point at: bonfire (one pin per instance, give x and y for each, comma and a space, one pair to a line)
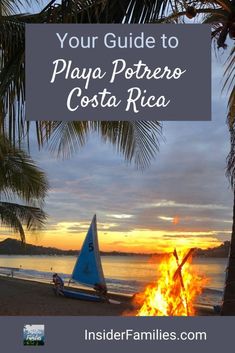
175, 291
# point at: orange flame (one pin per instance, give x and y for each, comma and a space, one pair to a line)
175, 291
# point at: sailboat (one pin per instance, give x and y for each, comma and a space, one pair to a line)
88, 268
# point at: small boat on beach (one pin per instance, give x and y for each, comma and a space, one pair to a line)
88, 269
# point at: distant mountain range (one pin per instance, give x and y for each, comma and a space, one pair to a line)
218, 251
14, 247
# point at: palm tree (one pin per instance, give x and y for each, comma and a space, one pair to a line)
138, 141
20, 179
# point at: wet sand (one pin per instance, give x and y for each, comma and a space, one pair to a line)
28, 298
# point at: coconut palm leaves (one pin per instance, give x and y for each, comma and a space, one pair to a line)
21, 179
219, 14
138, 142
222, 20
8, 7
104, 11
14, 216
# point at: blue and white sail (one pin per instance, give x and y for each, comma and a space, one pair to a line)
88, 268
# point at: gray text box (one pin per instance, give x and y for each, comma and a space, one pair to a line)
134, 72
66, 334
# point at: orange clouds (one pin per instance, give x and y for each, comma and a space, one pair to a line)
176, 220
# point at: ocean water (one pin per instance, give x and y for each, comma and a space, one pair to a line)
124, 274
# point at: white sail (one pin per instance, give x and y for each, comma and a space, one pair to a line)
88, 269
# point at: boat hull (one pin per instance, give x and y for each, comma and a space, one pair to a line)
81, 296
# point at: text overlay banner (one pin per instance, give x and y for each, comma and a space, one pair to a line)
118, 72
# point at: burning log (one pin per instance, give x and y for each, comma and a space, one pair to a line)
175, 291
187, 256
178, 272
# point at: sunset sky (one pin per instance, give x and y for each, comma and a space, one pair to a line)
182, 199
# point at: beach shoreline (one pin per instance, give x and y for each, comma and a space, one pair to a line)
20, 297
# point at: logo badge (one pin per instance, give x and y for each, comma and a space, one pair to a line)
34, 335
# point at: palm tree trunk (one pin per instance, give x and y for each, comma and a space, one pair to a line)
228, 307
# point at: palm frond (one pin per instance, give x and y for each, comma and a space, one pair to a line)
66, 137
138, 141
19, 175
225, 4
105, 11
9, 7
16, 216
12, 92
216, 16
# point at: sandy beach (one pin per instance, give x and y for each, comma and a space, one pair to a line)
28, 298
23, 297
